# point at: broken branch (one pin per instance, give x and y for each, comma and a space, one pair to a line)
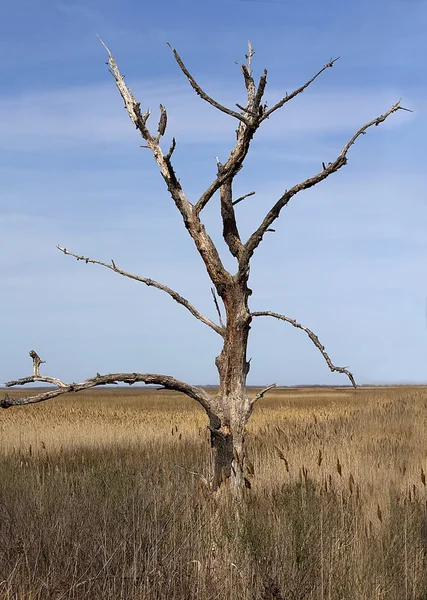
313, 337
37, 361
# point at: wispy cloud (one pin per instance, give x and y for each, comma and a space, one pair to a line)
82, 116
348, 257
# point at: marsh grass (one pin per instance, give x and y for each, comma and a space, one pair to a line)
100, 497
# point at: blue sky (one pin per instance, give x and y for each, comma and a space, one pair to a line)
349, 257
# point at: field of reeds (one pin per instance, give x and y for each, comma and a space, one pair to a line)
102, 496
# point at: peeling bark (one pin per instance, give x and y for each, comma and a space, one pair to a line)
232, 406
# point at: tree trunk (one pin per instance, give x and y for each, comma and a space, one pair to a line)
231, 407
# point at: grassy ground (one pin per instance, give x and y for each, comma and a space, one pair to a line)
100, 497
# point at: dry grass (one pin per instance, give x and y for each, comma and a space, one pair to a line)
98, 499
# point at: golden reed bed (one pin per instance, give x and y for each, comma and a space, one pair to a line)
100, 497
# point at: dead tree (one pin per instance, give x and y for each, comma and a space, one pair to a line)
229, 409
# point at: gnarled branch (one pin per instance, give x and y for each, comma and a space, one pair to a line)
313, 337
151, 283
166, 381
341, 160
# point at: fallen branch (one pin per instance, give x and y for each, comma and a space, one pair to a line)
166, 381
313, 337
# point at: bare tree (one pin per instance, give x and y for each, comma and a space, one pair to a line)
229, 409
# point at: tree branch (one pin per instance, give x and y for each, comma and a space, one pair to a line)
203, 242
247, 74
262, 392
165, 381
132, 106
150, 283
163, 121
242, 198
230, 231
37, 361
313, 337
289, 97
196, 87
245, 132
260, 93
255, 94
228, 170
218, 310
255, 239
38, 379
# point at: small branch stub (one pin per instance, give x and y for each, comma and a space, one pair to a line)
218, 310
262, 392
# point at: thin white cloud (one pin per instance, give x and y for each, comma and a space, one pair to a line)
78, 117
